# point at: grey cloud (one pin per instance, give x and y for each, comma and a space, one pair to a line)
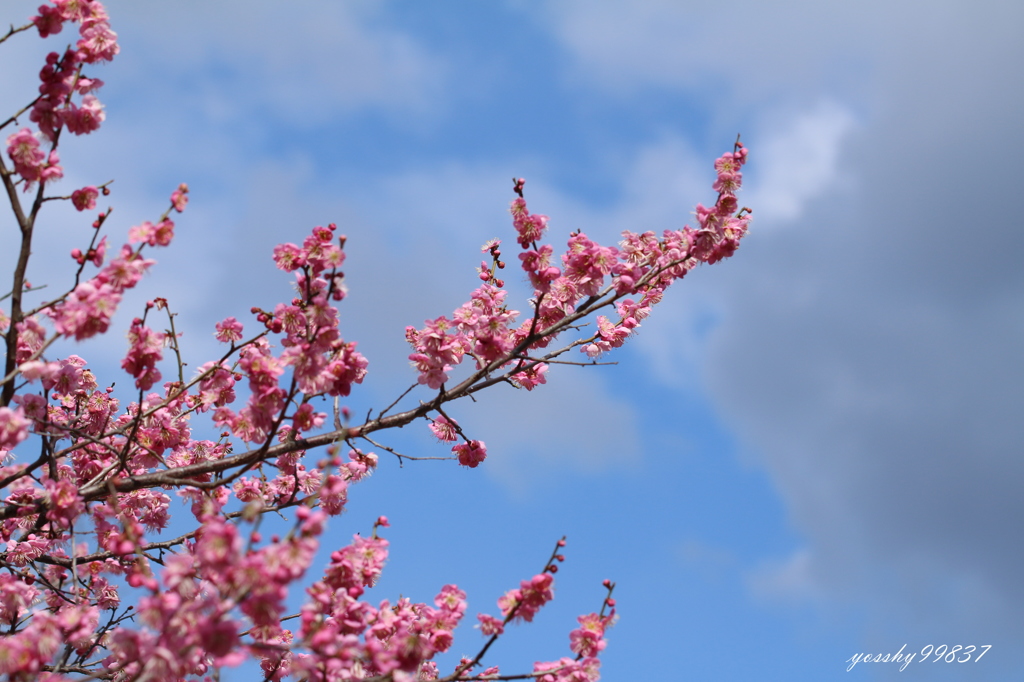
869, 354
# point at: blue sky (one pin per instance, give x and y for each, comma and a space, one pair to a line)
809, 451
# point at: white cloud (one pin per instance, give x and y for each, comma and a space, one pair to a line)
864, 357
755, 49
304, 61
795, 162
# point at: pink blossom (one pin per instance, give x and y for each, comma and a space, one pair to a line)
31, 337
525, 602
13, 427
529, 226
217, 544
587, 263
72, 378
58, 77
34, 405
471, 454
50, 21
179, 198
28, 550
28, 158
568, 670
357, 565
85, 198
451, 599
248, 489
145, 350
125, 271
216, 387
444, 429
80, 10
609, 336
52, 170
728, 182
229, 330
63, 502
154, 235
85, 118
306, 418
86, 311
98, 42
535, 593
34, 370
333, 494
86, 85
15, 597
489, 625
25, 652
288, 257
348, 367
537, 264
532, 377
291, 319
588, 640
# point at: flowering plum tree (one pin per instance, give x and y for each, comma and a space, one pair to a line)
92, 583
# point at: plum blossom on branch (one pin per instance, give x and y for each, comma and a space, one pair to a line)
93, 587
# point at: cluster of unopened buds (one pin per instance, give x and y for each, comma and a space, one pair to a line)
488, 272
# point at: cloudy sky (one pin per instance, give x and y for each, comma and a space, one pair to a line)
810, 451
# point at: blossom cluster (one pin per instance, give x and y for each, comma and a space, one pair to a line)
631, 277
30, 161
320, 360
591, 276
61, 78
587, 641
219, 597
94, 582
